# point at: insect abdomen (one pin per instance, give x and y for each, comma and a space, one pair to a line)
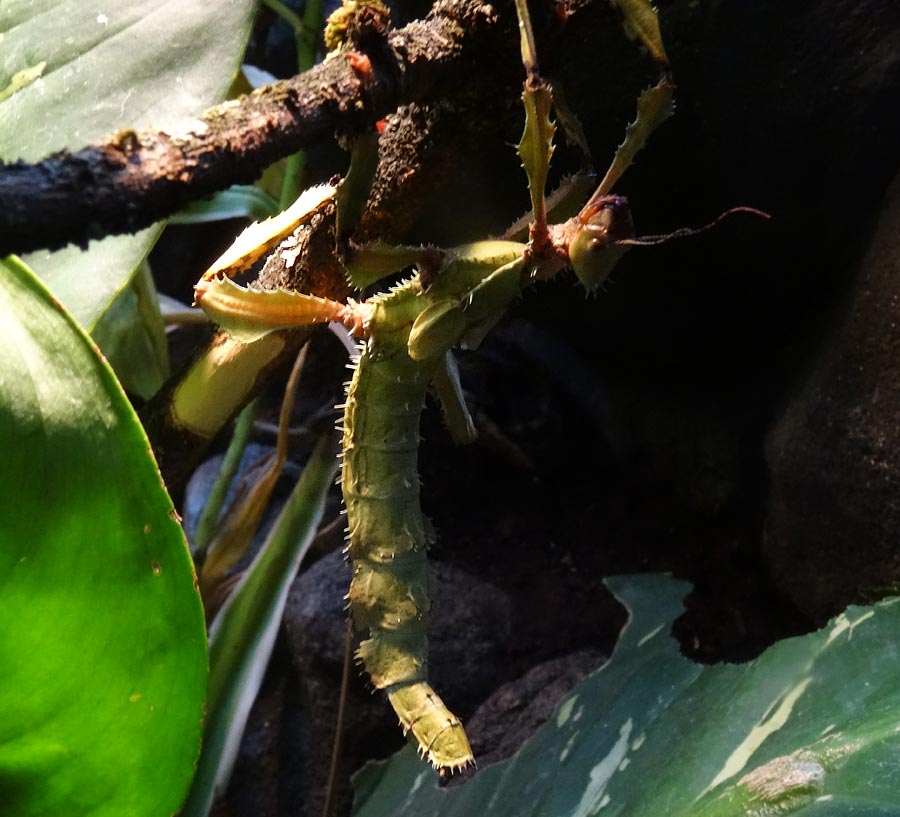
389, 592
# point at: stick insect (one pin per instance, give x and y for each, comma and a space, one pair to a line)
407, 333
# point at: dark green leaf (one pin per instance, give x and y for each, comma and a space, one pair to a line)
811, 727
238, 201
132, 336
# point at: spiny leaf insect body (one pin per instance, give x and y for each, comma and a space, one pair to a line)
456, 296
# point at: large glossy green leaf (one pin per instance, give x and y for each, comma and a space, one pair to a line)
73, 72
102, 646
811, 727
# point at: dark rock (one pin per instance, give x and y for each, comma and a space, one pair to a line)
512, 714
471, 622
315, 617
263, 779
832, 533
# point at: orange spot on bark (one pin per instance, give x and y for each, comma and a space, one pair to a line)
361, 65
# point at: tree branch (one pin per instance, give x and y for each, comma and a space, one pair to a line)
134, 179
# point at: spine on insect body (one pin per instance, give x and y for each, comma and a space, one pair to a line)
387, 542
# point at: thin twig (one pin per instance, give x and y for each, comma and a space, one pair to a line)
287, 404
339, 726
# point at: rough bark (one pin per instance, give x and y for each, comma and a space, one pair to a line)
414, 151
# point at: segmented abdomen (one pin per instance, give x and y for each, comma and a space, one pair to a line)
389, 592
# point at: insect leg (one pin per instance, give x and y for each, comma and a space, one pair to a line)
369, 264
655, 106
248, 314
595, 238
641, 22
563, 203
536, 145
453, 403
465, 313
487, 302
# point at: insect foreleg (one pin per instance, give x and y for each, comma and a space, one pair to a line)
453, 404
536, 147
369, 264
563, 203
655, 106
249, 314
595, 239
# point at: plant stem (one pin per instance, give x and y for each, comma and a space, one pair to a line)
287, 14
210, 516
305, 40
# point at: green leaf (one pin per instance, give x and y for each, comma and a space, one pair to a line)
238, 201
132, 336
209, 518
810, 727
102, 646
105, 67
243, 633
88, 282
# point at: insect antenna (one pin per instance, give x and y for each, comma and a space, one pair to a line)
684, 232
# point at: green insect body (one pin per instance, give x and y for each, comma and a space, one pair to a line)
454, 299
388, 535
